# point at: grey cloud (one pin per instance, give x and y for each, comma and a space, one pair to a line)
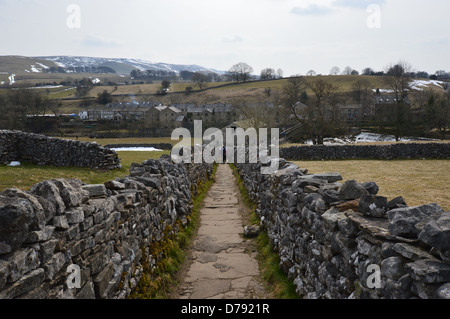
234, 39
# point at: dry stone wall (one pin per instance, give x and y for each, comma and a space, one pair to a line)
379, 152
43, 150
343, 240
65, 239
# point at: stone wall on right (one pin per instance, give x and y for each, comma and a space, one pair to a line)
376, 152
343, 240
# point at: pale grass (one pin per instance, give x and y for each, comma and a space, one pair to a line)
419, 182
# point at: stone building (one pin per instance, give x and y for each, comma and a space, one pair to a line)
162, 119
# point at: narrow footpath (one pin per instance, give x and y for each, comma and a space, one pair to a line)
222, 263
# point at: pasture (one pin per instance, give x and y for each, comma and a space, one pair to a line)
419, 182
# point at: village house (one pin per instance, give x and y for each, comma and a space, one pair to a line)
352, 112
164, 117
115, 115
384, 103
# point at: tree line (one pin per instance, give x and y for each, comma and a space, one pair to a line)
19, 106
80, 69
438, 75
310, 108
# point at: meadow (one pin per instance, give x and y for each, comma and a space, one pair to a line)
25, 176
419, 182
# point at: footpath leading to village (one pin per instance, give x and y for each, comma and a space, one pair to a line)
222, 263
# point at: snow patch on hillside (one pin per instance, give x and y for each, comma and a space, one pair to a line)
420, 85
34, 69
11, 79
95, 80
43, 65
77, 61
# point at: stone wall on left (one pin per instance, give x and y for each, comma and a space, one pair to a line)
64, 239
43, 150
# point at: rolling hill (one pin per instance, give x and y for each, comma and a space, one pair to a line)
37, 68
13, 64
121, 65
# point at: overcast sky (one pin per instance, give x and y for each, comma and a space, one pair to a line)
294, 35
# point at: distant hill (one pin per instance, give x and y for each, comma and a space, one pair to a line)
122, 65
10, 64
22, 65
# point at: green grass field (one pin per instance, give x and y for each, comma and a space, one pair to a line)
419, 182
27, 175
344, 82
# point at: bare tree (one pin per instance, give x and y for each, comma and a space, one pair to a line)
322, 113
311, 73
437, 112
318, 116
361, 91
335, 70
258, 114
368, 71
268, 74
280, 73
200, 79
347, 71
294, 94
398, 79
240, 72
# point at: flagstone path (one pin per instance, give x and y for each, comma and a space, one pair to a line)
222, 263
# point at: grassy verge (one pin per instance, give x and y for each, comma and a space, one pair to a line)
158, 283
268, 259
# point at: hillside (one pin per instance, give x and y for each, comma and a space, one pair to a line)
254, 91
122, 66
20, 64
17, 69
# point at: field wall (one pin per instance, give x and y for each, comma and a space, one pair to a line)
43, 150
376, 152
343, 240
64, 239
